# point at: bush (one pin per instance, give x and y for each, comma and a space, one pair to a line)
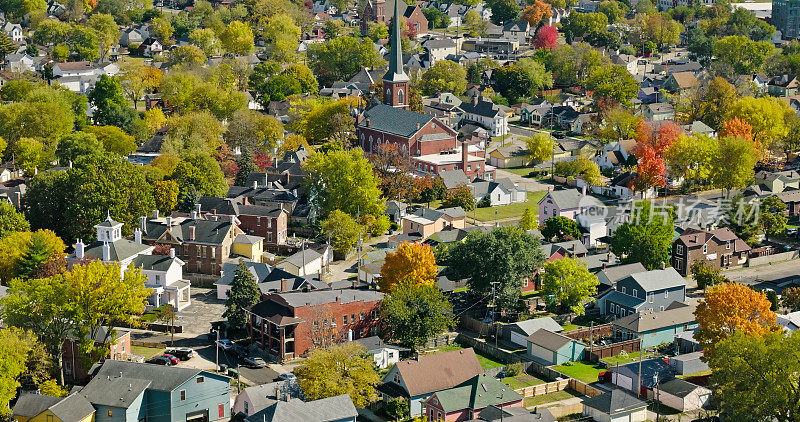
513, 369
485, 202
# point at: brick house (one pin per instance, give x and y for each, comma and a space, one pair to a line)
380, 11
269, 222
202, 244
289, 325
721, 248
77, 364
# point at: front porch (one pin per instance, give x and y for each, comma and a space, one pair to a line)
177, 294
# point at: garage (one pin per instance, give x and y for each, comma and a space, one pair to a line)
199, 416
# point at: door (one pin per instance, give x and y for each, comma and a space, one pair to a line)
199, 416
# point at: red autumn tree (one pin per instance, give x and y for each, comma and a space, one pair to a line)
546, 37
666, 135
650, 170
644, 134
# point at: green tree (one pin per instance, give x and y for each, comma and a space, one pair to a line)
474, 25
187, 57
540, 147
618, 124
196, 133
444, 76
568, 284
614, 10
106, 94
113, 139
647, 238
11, 221
253, 131
237, 38
243, 294
341, 58
14, 348
741, 219
614, 83
503, 11
772, 218
522, 79
560, 228
206, 40
341, 369
768, 116
281, 35
413, 313
165, 195
528, 220
505, 255
342, 231
163, 30
377, 31
30, 155
705, 275
51, 32
344, 180
106, 30
83, 41
200, 173
742, 54
713, 109
732, 164
460, 196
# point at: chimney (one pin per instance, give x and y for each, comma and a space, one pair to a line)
283, 285
349, 334
355, 283
550, 188
197, 208
475, 100
191, 232
368, 122
143, 224
233, 219
194, 215
464, 156
155, 213
106, 252
19, 198
255, 184
338, 299
663, 265
137, 236
583, 190
172, 253
70, 163
79, 249
604, 265
169, 221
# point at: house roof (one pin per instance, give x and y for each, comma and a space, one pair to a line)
623, 299
302, 258
614, 402
659, 108
658, 279
116, 392
75, 66
74, 407
685, 79
548, 339
322, 410
516, 26
574, 247
696, 238
376, 343
154, 262
619, 272
530, 326
480, 106
263, 395
439, 371
649, 369
478, 392
119, 250
162, 378
30, 405
453, 178
205, 231
648, 320
320, 297
394, 121
571, 198
678, 387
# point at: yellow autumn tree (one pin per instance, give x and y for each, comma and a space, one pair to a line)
411, 262
731, 307
536, 12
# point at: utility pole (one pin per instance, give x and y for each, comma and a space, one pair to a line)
216, 346
658, 395
639, 378
591, 338
494, 291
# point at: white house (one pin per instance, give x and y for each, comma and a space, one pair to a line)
614, 154
14, 31
384, 355
82, 68
487, 114
500, 192
304, 262
439, 48
19, 63
131, 36
517, 31
165, 277
681, 395
110, 246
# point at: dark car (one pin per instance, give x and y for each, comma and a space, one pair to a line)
172, 359
255, 362
159, 360
559, 135
238, 351
182, 353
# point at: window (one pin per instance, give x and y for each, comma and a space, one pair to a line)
201, 380
396, 378
198, 251
623, 290
666, 293
400, 97
635, 293
679, 264
525, 282
361, 316
353, 318
110, 415
728, 244
679, 249
344, 320
705, 248
183, 395
661, 308
246, 408
158, 279
651, 298
258, 222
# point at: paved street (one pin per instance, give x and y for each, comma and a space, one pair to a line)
768, 275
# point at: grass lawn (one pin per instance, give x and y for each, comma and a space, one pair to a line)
486, 362
522, 171
146, 352
580, 371
570, 327
623, 359
549, 398
508, 211
522, 381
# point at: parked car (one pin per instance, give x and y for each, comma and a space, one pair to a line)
287, 376
182, 353
172, 359
237, 351
224, 344
255, 362
558, 135
159, 360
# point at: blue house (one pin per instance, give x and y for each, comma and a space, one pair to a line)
131, 392
656, 328
647, 290
551, 348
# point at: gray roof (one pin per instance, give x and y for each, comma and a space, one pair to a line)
319, 297
548, 339
395, 121
678, 387
302, 257
614, 402
619, 272
162, 378
623, 299
153, 262
323, 410
532, 325
265, 395
572, 198
116, 392
575, 247
269, 278
453, 178
648, 320
30, 405
649, 369
72, 408
375, 343
119, 250
206, 231
658, 279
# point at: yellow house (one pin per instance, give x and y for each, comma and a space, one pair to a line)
250, 247
39, 408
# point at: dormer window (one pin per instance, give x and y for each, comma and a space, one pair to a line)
705, 248
728, 245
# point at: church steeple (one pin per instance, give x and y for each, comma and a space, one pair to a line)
395, 81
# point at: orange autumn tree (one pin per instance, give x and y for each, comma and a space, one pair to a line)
738, 128
410, 262
731, 307
536, 12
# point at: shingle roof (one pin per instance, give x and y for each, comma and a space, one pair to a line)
685, 79
153, 262
116, 392
533, 325
678, 387
205, 231
453, 178
548, 339
571, 198
658, 279
303, 257
264, 395
617, 273
162, 378
319, 297
119, 250
269, 278
30, 405
394, 121
322, 410
623, 299
73, 408
439, 371
614, 401
648, 320
696, 238
476, 393
481, 107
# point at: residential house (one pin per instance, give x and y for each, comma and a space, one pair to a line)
790, 321
304, 262
653, 371
427, 221
454, 179
258, 397
518, 332
549, 348
682, 395
500, 192
659, 111
201, 244
381, 11
567, 203
384, 355
77, 363
512, 414
150, 47
418, 379
772, 182
720, 248
758, 82
485, 113
131, 36
268, 222
268, 278
699, 128
332, 409
165, 277
615, 154
784, 85
465, 401
649, 290
534, 114
629, 62
518, 31
648, 94
40, 408
513, 155
792, 200
82, 68
656, 327
133, 392
615, 405
396, 210
288, 325
681, 83
609, 277
110, 246
439, 48
14, 31
19, 63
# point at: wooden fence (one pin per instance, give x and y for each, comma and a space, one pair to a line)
476, 326
602, 352
486, 349
596, 332
584, 388
542, 389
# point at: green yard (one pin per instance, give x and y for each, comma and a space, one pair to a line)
508, 211
570, 327
522, 381
522, 171
580, 371
549, 398
146, 352
486, 362
622, 359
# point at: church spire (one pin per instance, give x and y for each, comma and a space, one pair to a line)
395, 72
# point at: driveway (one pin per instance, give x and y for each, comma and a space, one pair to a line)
531, 185
205, 308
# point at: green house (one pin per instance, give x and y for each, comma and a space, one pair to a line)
553, 348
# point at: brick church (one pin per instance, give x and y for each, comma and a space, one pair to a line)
431, 145
375, 11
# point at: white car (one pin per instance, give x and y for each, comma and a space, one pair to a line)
224, 344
